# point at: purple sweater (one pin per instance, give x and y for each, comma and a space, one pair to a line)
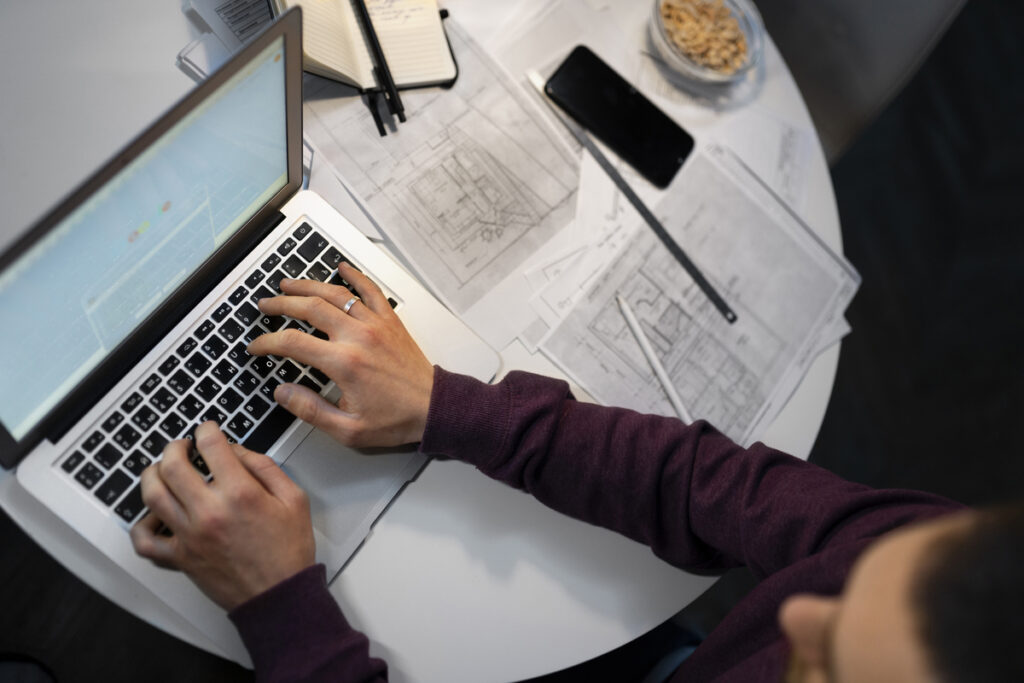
699, 501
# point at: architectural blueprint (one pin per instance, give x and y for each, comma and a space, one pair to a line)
787, 288
473, 184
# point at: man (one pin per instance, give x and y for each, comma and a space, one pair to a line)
856, 584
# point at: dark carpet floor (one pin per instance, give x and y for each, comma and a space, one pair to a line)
930, 385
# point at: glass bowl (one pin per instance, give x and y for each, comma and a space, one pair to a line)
749, 23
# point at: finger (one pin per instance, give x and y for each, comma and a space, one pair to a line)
151, 544
179, 476
213, 445
269, 474
291, 343
334, 294
368, 290
318, 311
312, 408
160, 501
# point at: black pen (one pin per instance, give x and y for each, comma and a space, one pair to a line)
381, 71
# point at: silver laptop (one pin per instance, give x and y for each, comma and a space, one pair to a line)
134, 301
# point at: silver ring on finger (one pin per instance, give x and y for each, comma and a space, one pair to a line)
349, 304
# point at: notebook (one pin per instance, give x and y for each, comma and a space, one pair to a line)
410, 32
135, 300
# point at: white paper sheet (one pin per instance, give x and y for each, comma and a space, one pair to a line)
787, 288
473, 185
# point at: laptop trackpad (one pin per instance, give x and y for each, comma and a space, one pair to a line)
347, 490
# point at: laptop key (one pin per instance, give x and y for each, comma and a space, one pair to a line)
163, 400
145, 418
246, 382
207, 389
191, 406
268, 388
130, 507
262, 293
108, 456
302, 231
74, 460
197, 364
318, 375
111, 423
286, 246
222, 312
238, 296
263, 365
200, 464
272, 322
90, 444
229, 400
168, 365
288, 372
254, 279
256, 407
274, 281
180, 382
172, 425
204, 330
89, 475
154, 444
312, 247
214, 347
239, 426
239, 355
231, 330
247, 314
136, 462
151, 383
271, 262
187, 347
224, 371
253, 332
132, 402
127, 437
269, 430
332, 257
310, 383
318, 272
116, 484
213, 413
293, 266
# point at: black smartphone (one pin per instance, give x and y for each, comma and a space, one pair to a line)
617, 114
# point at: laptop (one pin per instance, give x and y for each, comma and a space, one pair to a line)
136, 300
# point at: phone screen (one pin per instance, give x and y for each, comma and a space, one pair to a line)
617, 114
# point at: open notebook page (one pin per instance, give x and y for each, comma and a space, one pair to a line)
413, 40
332, 42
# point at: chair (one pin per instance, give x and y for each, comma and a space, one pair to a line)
851, 57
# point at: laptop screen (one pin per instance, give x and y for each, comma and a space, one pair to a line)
94, 278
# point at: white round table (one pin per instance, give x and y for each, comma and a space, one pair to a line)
463, 579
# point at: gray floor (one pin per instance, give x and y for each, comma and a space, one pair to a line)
930, 388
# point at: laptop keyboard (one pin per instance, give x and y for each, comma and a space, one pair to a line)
208, 376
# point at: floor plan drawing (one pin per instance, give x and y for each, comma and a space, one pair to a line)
786, 289
473, 184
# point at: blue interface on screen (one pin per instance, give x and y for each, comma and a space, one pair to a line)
87, 285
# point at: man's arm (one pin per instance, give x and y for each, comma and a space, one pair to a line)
696, 498
246, 540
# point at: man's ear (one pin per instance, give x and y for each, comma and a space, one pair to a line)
806, 621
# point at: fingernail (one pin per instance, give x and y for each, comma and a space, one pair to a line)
283, 394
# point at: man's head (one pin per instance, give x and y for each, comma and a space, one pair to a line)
941, 601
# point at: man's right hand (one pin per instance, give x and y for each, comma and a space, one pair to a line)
385, 379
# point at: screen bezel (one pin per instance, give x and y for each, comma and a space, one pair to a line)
103, 377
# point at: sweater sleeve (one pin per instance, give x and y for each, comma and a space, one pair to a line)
696, 498
295, 631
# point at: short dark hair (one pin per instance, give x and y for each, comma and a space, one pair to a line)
968, 599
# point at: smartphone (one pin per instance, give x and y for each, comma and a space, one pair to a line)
614, 111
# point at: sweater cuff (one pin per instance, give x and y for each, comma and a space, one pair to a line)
291, 627
467, 419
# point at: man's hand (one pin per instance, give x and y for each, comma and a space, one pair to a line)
235, 537
385, 379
